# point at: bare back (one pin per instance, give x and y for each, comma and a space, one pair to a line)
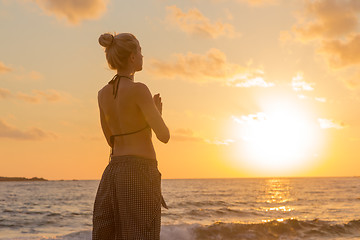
130, 111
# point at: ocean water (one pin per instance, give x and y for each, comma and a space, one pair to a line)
199, 209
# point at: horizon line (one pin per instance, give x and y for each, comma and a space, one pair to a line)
204, 178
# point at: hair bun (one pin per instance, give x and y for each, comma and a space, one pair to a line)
106, 39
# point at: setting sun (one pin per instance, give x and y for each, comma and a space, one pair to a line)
278, 140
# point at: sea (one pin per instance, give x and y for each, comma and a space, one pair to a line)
199, 209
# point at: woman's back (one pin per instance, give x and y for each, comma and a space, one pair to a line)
122, 115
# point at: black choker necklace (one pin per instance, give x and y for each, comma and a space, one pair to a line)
116, 79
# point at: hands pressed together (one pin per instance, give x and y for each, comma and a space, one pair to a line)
158, 103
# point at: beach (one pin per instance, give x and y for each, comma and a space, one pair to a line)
253, 208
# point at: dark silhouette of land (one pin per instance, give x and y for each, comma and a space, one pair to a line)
8, 179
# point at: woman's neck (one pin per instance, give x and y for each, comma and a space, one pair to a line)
126, 73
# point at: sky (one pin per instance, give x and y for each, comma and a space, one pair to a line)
250, 88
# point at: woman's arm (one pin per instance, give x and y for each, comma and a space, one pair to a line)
151, 112
104, 125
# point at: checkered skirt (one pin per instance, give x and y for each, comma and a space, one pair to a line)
128, 201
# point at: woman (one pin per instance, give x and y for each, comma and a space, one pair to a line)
128, 201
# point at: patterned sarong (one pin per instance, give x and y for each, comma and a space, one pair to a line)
128, 201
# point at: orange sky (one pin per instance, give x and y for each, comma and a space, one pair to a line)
251, 88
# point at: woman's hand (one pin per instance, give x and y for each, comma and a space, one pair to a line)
158, 103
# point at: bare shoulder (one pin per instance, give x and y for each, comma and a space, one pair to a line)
101, 96
141, 90
102, 91
139, 86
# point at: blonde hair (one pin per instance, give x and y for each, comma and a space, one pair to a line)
118, 48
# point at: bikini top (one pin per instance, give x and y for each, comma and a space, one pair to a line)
115, 82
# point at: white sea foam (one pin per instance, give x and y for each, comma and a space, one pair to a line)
174, 232
82, 235
178, 232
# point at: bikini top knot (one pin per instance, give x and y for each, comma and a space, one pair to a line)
115, 82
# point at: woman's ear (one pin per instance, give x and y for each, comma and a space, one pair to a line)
132, 57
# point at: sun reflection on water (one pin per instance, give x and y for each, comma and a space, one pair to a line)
275, 197
276, 191
282, 208
277, 220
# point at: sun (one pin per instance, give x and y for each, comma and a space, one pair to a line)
281, 140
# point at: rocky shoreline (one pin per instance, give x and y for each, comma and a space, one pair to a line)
8, 179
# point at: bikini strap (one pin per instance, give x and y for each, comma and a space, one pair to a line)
124, 134
115, 82
112, 138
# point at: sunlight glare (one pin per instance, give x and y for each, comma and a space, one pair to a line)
278, 140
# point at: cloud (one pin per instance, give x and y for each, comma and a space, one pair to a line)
353, 82
298, 83
333, 26
342, 53
254, 3
187, 135
329, 123
259, 2
5, 93
4, 68
37, 96
300, 86
249, 80
285, 36
8, 131
327, 19
20, 74
211, 67
319, 99
74, 11
195, 23
302, 96
220, 142
251, 118
49, 95
28, 98
34, 75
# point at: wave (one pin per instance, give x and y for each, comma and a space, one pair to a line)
286, 229
217, 213
289, 229
201, 203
